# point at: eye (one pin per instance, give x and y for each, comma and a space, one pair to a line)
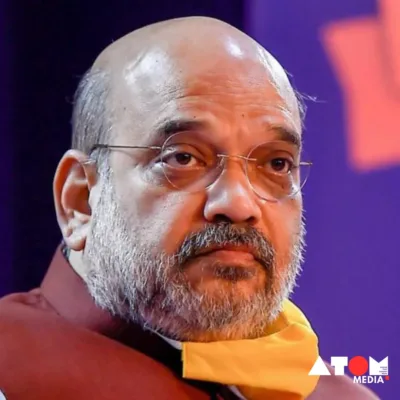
280, 165
182, 156
180, 160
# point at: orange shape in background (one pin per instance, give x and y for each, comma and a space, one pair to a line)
390, 17
356, 49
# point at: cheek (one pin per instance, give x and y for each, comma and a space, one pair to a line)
283, 221
162, 218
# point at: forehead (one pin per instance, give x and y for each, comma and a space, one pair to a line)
226, 87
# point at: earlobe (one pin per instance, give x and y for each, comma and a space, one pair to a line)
74, 179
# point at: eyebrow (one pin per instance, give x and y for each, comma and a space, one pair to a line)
287, 135
170, 127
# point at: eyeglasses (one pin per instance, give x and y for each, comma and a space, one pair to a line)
273, 169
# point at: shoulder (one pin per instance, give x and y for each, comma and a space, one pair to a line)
40, 352
20, 313
340, 387
17, 310
18, 303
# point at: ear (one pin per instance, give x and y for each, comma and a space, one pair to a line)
76, 175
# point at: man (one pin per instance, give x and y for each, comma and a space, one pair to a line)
181, 213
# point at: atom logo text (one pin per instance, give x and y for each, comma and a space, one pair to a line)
363, 370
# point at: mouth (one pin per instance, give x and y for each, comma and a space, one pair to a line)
230, 252
229, 263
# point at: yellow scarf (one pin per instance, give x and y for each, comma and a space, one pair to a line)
275, 366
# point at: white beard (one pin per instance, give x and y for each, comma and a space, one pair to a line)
127, 280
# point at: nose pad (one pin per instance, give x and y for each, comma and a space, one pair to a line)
223, 167
231, 197
224, 161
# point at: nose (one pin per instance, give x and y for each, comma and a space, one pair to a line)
232, 199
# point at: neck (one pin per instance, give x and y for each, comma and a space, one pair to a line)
76, 262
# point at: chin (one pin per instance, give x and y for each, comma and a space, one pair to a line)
219, 288
244, 281
229, 332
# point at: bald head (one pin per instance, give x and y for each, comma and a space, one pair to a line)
182, 35
162, 57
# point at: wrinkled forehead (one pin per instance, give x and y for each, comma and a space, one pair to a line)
160, 84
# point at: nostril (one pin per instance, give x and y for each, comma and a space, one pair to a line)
222, 218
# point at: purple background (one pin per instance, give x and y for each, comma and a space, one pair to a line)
5, 151
351, 274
